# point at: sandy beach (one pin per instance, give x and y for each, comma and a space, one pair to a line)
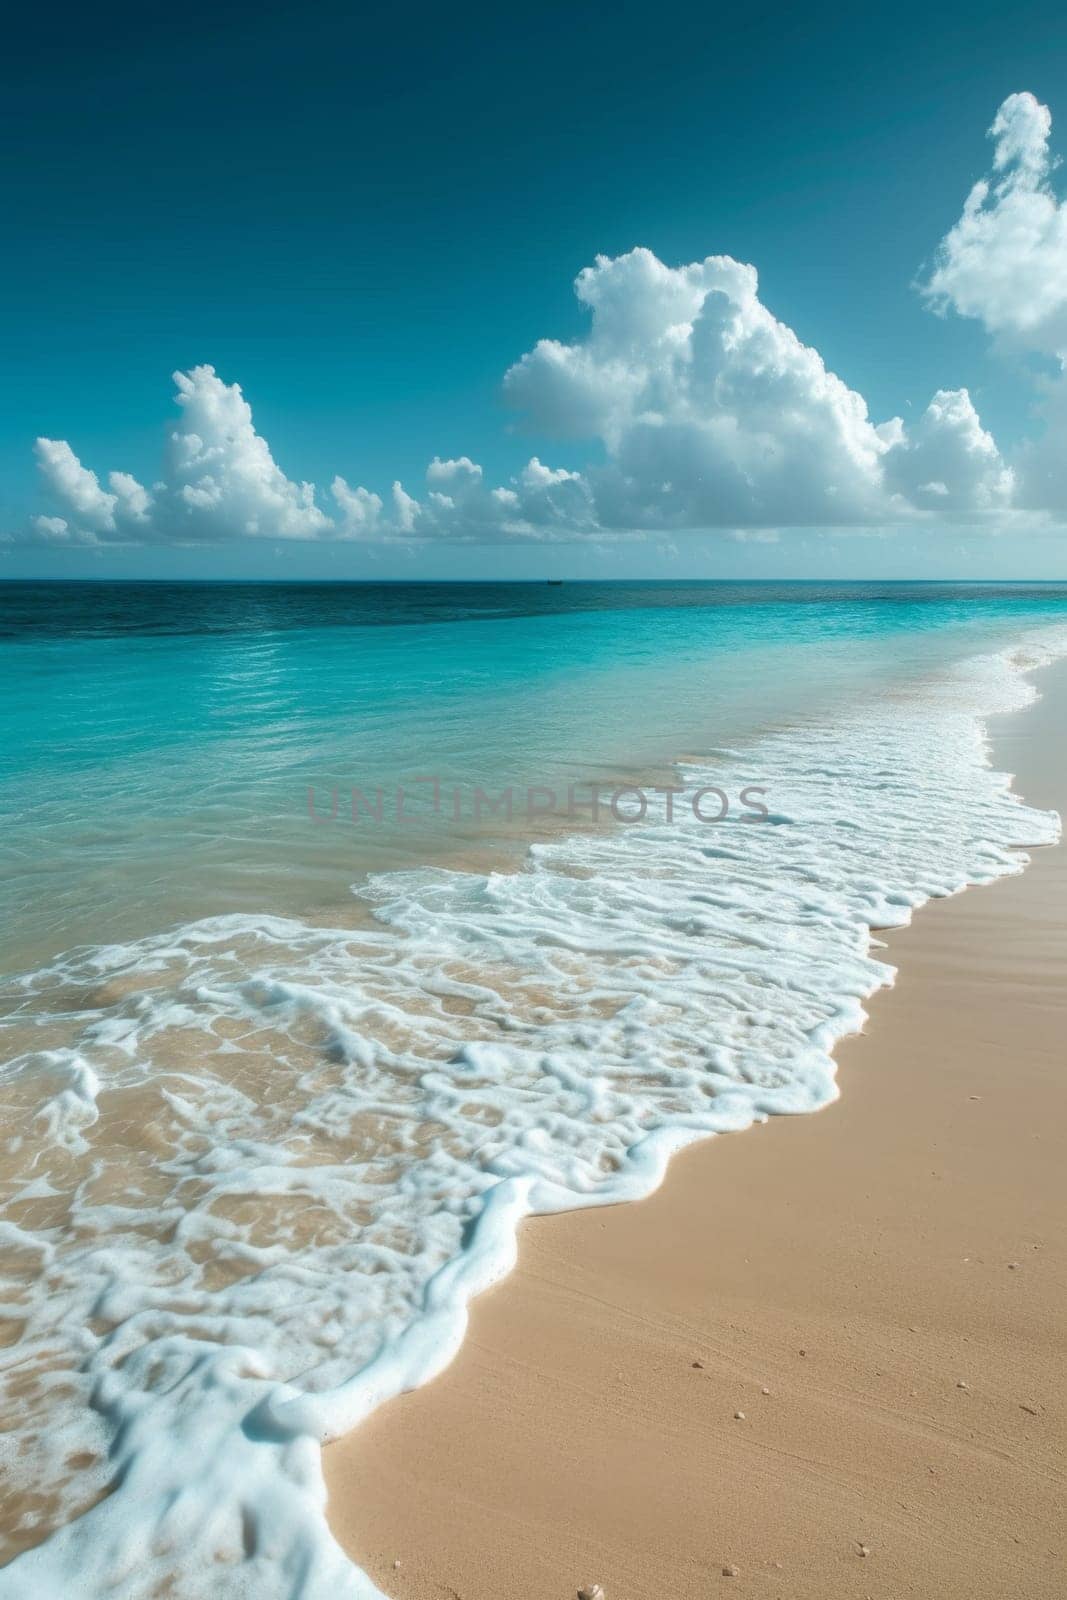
825, 1359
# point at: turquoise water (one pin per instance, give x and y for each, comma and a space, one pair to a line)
159, 743
277, 1089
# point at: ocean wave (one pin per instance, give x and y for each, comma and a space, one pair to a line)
256, 1167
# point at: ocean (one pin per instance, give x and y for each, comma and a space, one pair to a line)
342, 926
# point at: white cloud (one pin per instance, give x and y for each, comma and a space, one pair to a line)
223, 480
540, 502
132, 500
702, 409
120, 511
75, 485
57, 530
405, 509
712, 413
1005, 260
554, 499
1005, 263
950, 462
360, 510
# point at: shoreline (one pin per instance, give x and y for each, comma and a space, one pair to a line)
587, 1431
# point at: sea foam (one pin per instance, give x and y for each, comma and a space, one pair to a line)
257, 1167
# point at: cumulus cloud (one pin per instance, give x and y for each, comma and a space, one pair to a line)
949, 462
360, 509
57, 530
714, 413
1005, 260
701, 409
223, 479
221, 482
125, 505
540, 502
1005, 263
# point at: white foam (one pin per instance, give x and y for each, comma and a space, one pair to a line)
291, 1154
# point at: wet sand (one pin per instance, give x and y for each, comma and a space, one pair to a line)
880, 1290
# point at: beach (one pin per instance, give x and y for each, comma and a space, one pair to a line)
826, 1358
279, 1104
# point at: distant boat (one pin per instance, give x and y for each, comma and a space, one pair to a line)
554, 583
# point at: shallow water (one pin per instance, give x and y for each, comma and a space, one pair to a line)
263, 1137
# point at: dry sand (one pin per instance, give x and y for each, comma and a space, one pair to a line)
879, 1289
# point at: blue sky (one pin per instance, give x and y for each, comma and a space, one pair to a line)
365, 219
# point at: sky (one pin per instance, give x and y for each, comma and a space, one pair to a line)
610, 291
